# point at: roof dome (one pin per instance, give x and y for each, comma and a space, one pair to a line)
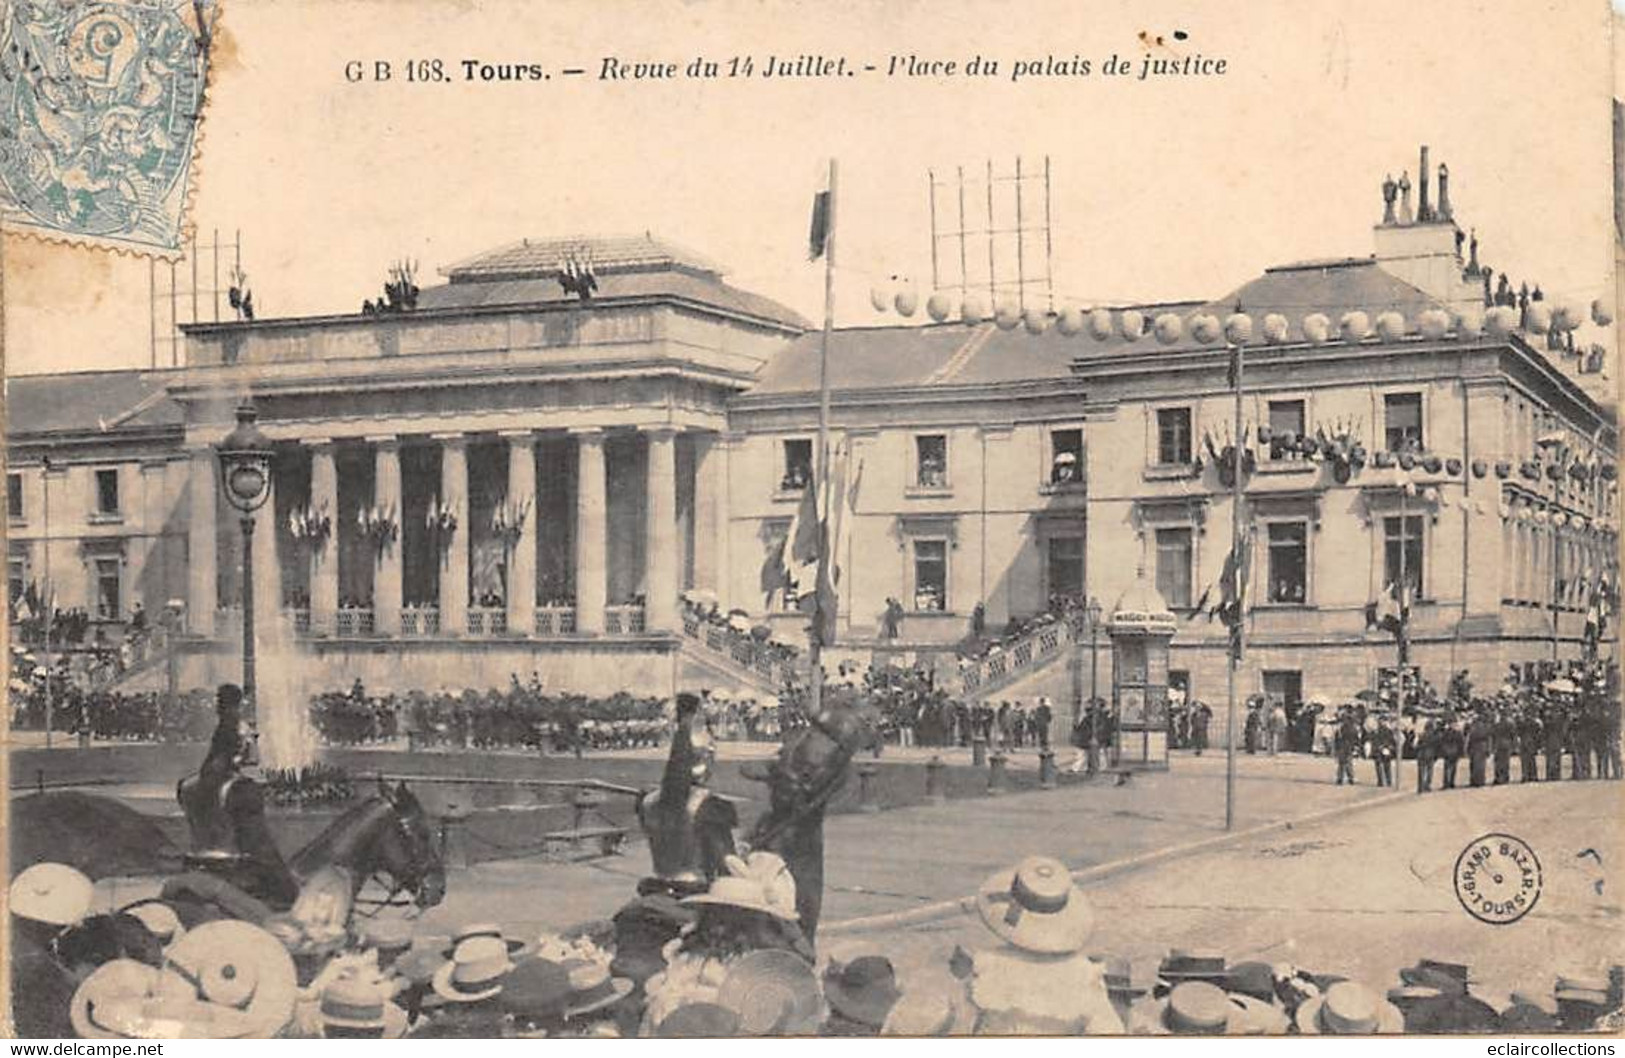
1142, 609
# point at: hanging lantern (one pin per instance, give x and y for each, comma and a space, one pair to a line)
1070, 321
1391, 326
1452, 466
1600, 314
1205, 328
1354, 326
1036, 320
1525, 515
1357, 456
1480, 468
1609, 471
1554, 473
1578, 471
1501, 321
1559, 519
1131, 322
1317, 328
1530, 471
1435, 324
907, 302
1008, 314
1100, 324
1470, 323
939, 306
1275, 328
1383, 460
1238, 328
1503, 469
1539, 318
1169, 328
1541, 517
881, 298
974, 310
1432, 464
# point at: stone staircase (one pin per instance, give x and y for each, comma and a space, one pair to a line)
1033, 652
738, 657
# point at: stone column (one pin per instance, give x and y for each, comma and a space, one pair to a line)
592, 531
201, 599
707, 511
522, 559
324, 560
453, 557
387, 576
660, 541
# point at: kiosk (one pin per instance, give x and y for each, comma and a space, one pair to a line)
1141, 627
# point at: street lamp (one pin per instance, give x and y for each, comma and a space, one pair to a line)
245, 473
1093, 609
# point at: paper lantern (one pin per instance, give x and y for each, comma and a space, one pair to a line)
1480, 468
1131, 322
1169, 327
1391, 326
1433, 323
1470, 323
1238, 328
1524, 514
1205, 328
1317, 328
1070, 321
1036, 320
939, 306
907, 302
1600, 314
881, 298
1568, 317
1407, 461
1008, 314
1501, 321
1559, 519
1539, 318
1503, 469
1275, 328
1432, 464
974, 310
1100, 324
1354, 326
1541, 517
1452, 466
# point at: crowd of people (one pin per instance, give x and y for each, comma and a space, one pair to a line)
979, 645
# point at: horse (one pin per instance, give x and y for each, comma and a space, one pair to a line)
386, 838
811, 767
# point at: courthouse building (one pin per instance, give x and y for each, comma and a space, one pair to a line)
508, 478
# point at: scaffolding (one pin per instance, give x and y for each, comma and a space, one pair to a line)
1016, 226
188, 289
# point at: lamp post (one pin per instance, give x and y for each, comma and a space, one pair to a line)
49, 605
245, 473
1093, 609
174, 622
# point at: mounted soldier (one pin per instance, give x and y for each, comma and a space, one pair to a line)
225, 813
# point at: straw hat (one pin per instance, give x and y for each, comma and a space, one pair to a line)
774, 992
53, 893
238, 966
159, 918
699, 1021
863, 990
1035, 907
1349, 1009
1259, 1017
930, 1012
592, 987
475, 971
515, 948
1118, 974
1581, 988
760, 882
353, 1007
125, 999
1193, 1008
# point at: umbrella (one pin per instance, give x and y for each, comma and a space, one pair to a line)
1562, 685
1066, 457
1320, 700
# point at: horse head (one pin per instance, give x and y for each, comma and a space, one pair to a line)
813, 760
408, 850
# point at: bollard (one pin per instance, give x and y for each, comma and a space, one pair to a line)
933, 781
995, 774
1046, 770
84, 739
978, 751
411, 742
866, 788
39, 779
453, 838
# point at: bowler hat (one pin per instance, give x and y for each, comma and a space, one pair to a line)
1036, 907
536, 990
1256, 979
863, 990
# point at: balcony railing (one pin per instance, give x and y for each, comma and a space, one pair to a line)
352, 621
299, 618
765, 659
1012, 659
487, 621
623, 620
420, 620
555, 620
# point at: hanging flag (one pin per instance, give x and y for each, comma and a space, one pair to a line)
818, 237
799, 555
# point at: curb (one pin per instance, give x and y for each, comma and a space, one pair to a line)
949, 908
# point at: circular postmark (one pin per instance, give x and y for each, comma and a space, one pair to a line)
1498, 879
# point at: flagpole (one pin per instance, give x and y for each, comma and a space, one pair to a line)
815, 651
1236, 632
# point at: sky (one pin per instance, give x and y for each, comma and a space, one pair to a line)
1170, 188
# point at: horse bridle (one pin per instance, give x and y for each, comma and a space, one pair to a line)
420, 851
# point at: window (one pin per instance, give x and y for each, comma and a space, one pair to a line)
1289, 562
798, 465
1402, 560
1174, 567
931, 461
1402, 417
16, 579
14, 495
1065, 567
1173, 435
931, 575
1066, 457
1286, 417
107, 589
107, 492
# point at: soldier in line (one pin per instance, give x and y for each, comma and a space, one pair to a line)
1344, 744
1504, 735
1478, 748
1427, 750
1451, 746
1384, 748
1530, 736
1556, 726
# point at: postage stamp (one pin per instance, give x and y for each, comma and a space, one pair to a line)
100, 109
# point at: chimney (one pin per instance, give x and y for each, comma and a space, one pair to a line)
1423, 212
1444, 192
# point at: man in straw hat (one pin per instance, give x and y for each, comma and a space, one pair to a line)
45, 900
